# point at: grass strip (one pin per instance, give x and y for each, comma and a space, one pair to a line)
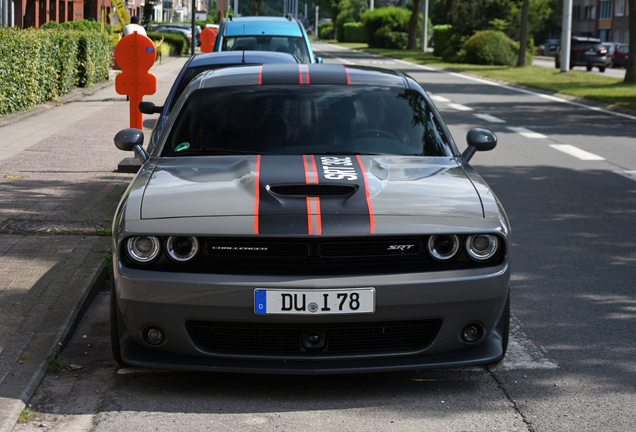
580, 84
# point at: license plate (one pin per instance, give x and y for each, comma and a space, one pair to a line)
312, 302
591, 52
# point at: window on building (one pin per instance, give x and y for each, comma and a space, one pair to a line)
620, 7
605, 10
576, 13
590, 12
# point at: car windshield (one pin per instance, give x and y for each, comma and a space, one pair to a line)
623, 48
286, 44
302, 119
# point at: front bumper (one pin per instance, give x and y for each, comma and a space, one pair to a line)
169, 301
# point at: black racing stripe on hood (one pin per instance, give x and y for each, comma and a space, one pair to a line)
281, 215
344, 215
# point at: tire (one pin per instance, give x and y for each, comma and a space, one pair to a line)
503, 328
601, 69
588, 67
114, 329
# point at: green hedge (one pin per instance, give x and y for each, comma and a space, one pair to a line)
393, 18
178, 43
491, 47
441, 38
325, 30
40, 65
354, 32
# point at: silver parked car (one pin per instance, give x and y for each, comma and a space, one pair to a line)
308, 219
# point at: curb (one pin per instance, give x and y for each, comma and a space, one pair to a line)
91, 276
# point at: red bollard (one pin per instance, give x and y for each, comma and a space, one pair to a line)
208, 37
135, 54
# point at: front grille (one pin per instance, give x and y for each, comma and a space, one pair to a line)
287, 339
311, 190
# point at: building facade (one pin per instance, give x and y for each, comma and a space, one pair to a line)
605, 19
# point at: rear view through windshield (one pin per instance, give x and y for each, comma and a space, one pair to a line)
302, 119
285, 44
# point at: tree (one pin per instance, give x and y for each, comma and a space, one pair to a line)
147, 13
630, 74
470, 16
523, 40
412, 41
257, 7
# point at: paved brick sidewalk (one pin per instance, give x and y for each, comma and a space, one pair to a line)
59, 189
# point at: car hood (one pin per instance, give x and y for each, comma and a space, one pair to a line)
331, 186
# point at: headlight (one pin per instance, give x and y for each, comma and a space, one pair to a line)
143, 249
182, 249
443, 247
482, 247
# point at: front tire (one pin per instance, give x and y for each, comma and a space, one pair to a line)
601, 69
114, 329
588, 67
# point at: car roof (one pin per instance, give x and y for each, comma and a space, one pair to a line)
251, 26
235, 57
586, 39
289, 74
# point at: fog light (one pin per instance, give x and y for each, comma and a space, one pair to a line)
472, 333
154, 336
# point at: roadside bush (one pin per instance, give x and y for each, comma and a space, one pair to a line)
39, 65
349, 11
490, 47
441, 38
178, 43
325, 30
354, 32
393, 18
343, 19
93, 58
385, 38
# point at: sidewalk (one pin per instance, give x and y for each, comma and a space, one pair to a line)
59, 189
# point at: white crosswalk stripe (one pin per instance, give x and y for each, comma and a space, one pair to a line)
577, 152
526, 132
459, 107
489, 118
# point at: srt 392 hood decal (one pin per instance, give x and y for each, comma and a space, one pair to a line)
320, 213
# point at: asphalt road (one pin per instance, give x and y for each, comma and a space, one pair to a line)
566, 175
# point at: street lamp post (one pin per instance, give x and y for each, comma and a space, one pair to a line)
566, 35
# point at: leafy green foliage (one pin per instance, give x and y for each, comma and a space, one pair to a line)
393, 18
325, 30
491, 47
470, 16
385, 38
354, 32
178, 43
39, 65
441, 38
350, 12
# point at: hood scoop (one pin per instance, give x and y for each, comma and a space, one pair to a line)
313, 190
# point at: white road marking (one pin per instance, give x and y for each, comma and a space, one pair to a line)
526, 132
459, 107
576, 152
343, 61
523, 353
438, 98
489, 118
629, 174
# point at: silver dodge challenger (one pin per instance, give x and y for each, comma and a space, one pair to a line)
308, 219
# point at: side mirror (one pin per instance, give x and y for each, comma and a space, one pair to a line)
318, 59
132, 140
478, 140
149, 108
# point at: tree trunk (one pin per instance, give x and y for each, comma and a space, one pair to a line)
523, 40
630, 74
257, 7
448, 12
412, 42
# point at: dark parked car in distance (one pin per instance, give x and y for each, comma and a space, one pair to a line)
620, 55
585, 51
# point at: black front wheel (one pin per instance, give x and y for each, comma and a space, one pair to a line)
588, 67
601, 69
